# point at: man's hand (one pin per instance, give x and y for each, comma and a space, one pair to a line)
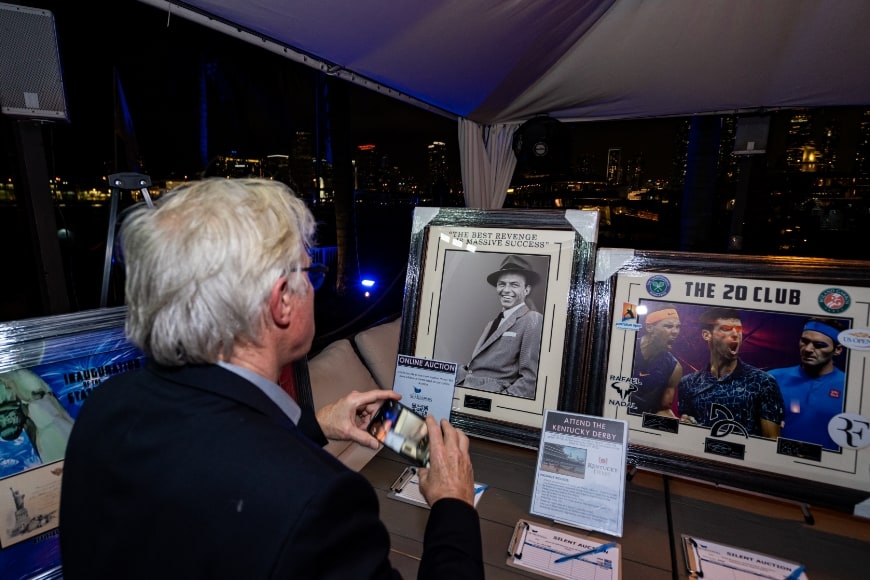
450, 473
347, 418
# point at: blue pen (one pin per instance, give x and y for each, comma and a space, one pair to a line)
796, 573
601, 548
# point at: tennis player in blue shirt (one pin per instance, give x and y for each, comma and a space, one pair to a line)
813, 390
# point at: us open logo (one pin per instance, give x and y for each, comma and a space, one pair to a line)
855, 338
658, 286
834, 300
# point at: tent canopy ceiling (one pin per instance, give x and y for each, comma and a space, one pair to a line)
499, 61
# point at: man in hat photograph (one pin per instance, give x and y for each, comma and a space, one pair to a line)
506, 356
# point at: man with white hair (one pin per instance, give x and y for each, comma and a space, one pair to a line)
199, 465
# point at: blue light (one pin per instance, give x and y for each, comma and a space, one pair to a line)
367, 283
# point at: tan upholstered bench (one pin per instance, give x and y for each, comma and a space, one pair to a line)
340, 368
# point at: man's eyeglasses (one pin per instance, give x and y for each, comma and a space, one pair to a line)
316, 274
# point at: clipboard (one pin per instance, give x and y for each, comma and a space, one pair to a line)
710, 560
559, 554
407, 488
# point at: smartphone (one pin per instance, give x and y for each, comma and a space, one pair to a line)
402, 430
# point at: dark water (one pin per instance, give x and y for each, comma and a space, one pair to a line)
82, 250
382, 235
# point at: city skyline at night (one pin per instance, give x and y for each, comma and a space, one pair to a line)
195, 94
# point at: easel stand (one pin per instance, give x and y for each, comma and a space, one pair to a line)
119, 182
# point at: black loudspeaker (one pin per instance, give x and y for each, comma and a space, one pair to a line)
542, 145
31, 81
751, 135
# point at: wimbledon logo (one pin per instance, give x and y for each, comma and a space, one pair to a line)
658, 286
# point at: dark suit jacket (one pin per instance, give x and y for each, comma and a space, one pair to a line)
194, 473
507, 360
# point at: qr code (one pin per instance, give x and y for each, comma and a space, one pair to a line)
421, 410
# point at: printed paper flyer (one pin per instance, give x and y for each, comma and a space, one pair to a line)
426, 385
580, 475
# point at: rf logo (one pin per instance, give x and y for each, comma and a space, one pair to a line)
850, 430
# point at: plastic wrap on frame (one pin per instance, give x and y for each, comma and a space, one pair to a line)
584, 223
55, 348
22, 342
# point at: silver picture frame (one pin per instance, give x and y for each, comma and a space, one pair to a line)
448, 302
774, 298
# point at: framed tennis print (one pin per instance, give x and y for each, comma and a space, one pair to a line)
505, 294
746, 371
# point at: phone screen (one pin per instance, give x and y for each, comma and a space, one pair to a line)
403, 431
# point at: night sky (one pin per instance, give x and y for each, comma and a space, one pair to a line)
256, 100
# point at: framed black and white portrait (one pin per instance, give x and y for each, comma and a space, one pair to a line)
506, 295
